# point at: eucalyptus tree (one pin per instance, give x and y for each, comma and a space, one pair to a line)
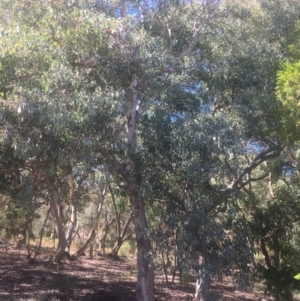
236, 77
239, 74
76, 74
126, 85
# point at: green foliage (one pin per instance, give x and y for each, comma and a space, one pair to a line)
288, 92
294, 48
281, 283
274, 227
66, 74
17, 220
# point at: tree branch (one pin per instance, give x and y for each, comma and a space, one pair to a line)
269, 153
207, 11
265, 253
120, 168
116, 210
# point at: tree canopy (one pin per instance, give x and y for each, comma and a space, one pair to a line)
288, 90
178, 107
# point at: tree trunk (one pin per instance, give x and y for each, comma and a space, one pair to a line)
102, 243
203, 281
164, 266
102, 240
62, 242
265, 253
92, 235
73, 209
120, 234
145, 278
175, 257
116, 247
89, 240
71, 225
53, 237
91, 251
38, 246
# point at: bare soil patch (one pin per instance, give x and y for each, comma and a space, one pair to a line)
98, 279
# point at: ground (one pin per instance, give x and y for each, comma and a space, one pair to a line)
98, 279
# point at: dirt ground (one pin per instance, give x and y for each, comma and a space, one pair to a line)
98, 279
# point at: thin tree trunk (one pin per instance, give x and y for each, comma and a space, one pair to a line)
203, 281
116, 247
164, 267
62, 242
272, 194
265, 253
175, 268
90, 238
102, 240
54, 237
120, 234
71, 225
91, 251
38, 247
73, 209
92, 234
120, 241
175, 257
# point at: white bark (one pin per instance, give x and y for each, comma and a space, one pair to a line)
71, 225
145, 279
202, 283
272, 194
60, 231
73, 209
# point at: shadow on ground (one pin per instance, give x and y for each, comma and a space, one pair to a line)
99, 279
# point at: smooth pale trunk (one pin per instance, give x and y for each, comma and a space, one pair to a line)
60, 232
88, 241
73, 208
102, 240
120, 236
72, 225
145, 278
202, 282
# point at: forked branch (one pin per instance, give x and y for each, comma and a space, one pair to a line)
270, 153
